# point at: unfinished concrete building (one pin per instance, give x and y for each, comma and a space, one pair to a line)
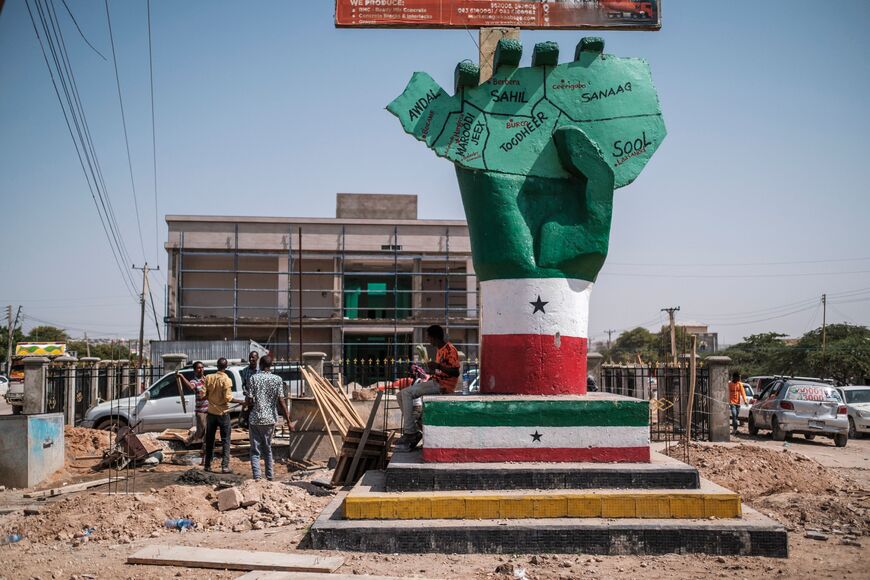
353, 286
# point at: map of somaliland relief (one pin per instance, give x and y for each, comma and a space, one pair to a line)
506, 124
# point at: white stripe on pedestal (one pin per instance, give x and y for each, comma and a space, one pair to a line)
535, 306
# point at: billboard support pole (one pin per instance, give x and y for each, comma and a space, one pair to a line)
489, 38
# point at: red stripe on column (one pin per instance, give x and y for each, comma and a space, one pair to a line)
548, 454
532, 364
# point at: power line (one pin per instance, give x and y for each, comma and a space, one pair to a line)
787, 275
82, 34
153, 136
124, 124
732, 264
73, 114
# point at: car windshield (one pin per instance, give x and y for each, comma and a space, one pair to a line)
812, 393
857, 396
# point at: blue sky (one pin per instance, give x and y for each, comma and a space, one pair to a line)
756, 203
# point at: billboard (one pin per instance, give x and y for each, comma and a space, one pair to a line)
566, 14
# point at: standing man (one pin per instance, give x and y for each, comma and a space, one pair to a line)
248, 372
265, 394
200, 410
445, 375
219, 392
736, 393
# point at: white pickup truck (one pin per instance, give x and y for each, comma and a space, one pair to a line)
159, 406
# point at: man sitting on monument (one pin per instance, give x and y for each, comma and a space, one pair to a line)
445, 376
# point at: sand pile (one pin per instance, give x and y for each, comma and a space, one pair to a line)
123, 518
80, 442
788, 486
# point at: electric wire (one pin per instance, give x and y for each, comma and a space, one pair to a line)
153, 134
82, 152
124, 124
82, 34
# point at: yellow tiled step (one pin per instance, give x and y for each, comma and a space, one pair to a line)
365, 502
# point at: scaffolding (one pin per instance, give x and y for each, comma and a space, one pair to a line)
386, 296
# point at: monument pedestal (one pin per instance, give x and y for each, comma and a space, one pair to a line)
596, 427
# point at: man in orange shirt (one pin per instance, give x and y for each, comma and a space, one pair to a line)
736, 393
445, 376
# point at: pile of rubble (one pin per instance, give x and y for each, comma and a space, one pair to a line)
789, 487
122, 518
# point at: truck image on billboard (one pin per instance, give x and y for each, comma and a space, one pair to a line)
568, 14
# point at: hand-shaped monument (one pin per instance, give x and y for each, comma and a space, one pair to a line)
538, 152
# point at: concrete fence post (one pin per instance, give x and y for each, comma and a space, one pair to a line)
173, 361
315, 361
112, 387
69, 405
718, 368
35, 383
125, 378
594, 360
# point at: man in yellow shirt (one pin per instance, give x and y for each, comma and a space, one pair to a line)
219, 392
736, 393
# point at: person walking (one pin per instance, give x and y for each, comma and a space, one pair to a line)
736, 393
200, 407
219, 393
265, 395
445, 376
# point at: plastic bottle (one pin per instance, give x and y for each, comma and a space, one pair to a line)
180, 523
12, 539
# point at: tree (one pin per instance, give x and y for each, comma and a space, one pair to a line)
105, 351
631, 343
47, 333
761, 354
846, 357
17, 336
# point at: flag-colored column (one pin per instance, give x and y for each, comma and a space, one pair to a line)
534, 336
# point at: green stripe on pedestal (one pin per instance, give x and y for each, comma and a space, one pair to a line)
541, 413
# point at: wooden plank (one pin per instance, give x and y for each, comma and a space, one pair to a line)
342, 397
323, 417
262, 575
365, 437
332, 403
221, 559
74, 487
324, 406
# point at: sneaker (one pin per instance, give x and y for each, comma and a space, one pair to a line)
226, 470
408, 441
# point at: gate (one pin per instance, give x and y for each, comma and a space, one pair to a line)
84, 378
666, 388
55, 389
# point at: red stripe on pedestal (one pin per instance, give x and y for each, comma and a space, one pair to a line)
533, 364
548, 454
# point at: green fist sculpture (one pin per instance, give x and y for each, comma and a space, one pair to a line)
538, 152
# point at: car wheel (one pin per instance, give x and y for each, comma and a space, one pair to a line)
853, 433
841, 439
753, 428
809, 436
778, 432
111, 424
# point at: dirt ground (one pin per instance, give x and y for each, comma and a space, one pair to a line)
804, 494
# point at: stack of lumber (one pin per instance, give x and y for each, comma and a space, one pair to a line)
362, 450
333, 405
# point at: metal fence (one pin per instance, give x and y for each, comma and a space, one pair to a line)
667, 389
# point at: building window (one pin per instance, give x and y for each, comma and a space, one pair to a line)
373, 298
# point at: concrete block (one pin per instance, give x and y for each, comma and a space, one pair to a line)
251, 497
229, 499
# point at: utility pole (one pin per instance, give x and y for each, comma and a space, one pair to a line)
824, 323
609, 336
144, 270
11, 326
672, 318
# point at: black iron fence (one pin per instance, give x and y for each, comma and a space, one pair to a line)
668, 389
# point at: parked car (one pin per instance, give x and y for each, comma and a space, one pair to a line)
743, 413
790, 405
857, 399
4, 386
761, 382
158, 407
